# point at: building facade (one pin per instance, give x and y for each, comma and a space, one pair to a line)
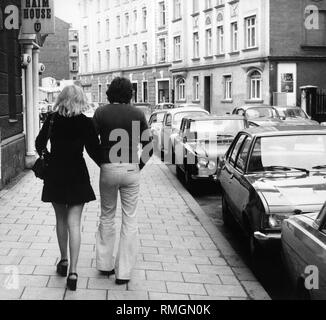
12, 138
246, 52
55, 54
126, 38
218, 54
73, 54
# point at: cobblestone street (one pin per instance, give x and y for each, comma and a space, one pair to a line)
182, 255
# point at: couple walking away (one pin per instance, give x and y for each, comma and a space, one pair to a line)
67, 183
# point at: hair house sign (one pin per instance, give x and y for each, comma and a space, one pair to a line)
39, 9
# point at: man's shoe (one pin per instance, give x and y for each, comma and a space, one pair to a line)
121, 282
108, 273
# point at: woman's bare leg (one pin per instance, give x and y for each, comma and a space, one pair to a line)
62, 229
74, 227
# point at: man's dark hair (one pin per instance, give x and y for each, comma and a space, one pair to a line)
120, 91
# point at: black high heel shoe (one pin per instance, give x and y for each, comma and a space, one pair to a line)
62, 268
72, 283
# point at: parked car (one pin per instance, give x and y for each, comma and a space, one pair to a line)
304, 245
270, 174
156, 125
259, 115
201, 143
171, 126
294, 115
163, 106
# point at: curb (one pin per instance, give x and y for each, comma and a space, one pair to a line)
249, 282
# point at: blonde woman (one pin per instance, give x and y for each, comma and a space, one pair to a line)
67, 183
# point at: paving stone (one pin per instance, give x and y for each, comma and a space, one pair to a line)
174, 251
82, 294
25, 253
6, 294
159, 258
127, 295
229, 280
153, 286
39, 261
144, 265
179, 267
10, 260
29, 280
164, 276
201, 278
61, 282
43, 294
105, 284
225, 291
186, 288
193, 260
218, 270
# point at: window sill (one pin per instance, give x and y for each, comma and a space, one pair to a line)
250, 49
181, 101
195, 101
195, 59
13, 121
195, 14
177, 61
160, 28
254, 101
144, 31
222, 55
208, 57
220, 6
208, 10
227, 101
234, 53
176, 20
233, 2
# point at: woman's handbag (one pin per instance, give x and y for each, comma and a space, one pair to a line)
42, 163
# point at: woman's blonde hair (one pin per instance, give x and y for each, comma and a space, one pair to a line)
71, 102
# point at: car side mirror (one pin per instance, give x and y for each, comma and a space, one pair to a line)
283, 118
185, 140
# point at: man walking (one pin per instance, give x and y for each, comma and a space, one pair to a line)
123, 129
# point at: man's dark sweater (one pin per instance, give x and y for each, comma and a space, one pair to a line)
122, 128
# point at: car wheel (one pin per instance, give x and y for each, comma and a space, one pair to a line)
226, 214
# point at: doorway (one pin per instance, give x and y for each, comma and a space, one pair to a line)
208, 89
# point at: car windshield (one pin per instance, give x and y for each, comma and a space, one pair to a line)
289, 153
262, 112
212, 129
187, 114
292, 113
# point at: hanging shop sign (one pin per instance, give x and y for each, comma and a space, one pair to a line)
38, 17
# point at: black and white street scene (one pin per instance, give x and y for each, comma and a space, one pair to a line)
162, 150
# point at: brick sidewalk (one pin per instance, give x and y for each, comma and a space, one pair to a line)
182, 256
